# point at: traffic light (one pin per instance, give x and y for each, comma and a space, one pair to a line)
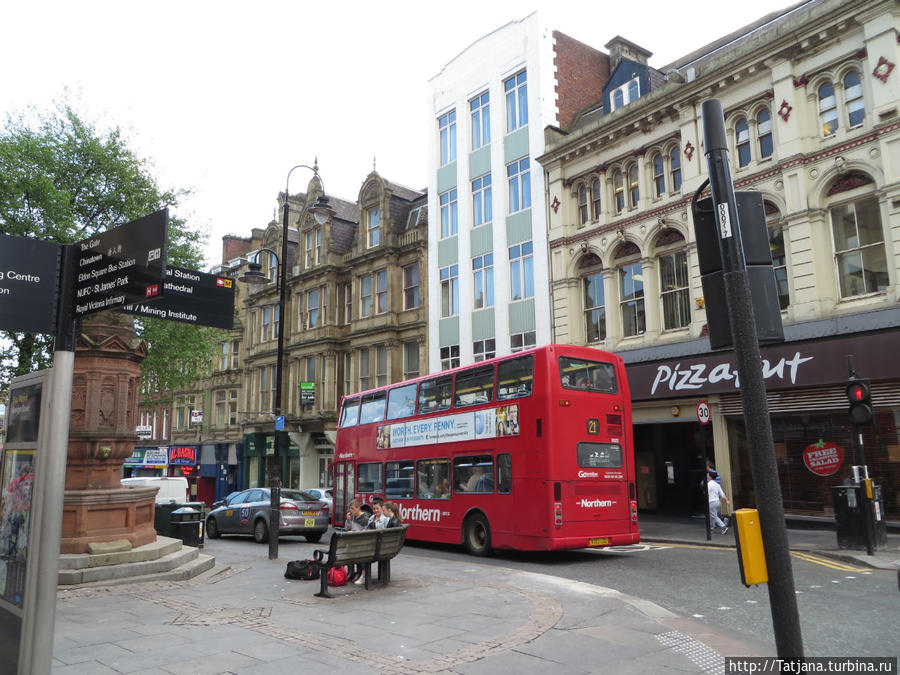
859, 394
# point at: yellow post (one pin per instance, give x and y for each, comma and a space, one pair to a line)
751, 555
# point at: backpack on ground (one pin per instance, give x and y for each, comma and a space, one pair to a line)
302, 569
337, 576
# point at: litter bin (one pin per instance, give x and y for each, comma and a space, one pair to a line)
162, 518
187, 525
850, 520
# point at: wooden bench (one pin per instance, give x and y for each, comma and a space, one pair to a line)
360, 548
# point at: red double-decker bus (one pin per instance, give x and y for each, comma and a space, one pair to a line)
531, 451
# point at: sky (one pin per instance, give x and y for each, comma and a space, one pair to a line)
223, 98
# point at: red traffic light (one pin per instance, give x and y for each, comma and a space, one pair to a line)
859, 395
857, 392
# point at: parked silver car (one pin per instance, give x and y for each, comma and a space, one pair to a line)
325, 494
247, 512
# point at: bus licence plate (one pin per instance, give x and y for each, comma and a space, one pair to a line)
599, 541
310, 513
309, 522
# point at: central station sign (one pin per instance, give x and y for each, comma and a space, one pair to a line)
191, 297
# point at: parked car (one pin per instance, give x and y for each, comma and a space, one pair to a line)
247, 512
325, 494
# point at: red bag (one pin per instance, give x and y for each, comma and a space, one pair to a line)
337, 576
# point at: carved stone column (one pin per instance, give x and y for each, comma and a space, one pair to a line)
105, 388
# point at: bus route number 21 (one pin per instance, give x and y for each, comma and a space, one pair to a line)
593, 426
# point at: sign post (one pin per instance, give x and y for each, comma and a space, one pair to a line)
191, 297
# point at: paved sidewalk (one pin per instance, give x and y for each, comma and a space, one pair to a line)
436, 617
820, 541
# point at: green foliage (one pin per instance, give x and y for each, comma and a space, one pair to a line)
63, 179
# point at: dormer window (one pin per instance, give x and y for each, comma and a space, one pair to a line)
625, 94
373, 226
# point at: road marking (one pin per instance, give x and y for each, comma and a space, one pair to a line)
808, 557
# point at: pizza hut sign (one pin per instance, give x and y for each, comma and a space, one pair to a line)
822, 458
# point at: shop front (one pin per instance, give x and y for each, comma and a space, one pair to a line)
146, 462
184, 461
814, 437
259, 460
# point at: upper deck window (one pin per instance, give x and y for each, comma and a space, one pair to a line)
474, 386
350, 413
402, 402
434, 395
515, 378
587, 375
372, 407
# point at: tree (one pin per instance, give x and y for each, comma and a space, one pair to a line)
63, 179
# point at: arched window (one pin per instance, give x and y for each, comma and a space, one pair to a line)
853, 99
582, 205
742, 141
675, 168
631, 290
779, 254
595, 198
619, 187
659, 176
827, 109
618, 99
634, 193
590, 269
764, 133
674, 281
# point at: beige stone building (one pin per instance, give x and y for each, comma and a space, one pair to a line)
812, 105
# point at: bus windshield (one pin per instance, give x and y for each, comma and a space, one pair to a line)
587, 375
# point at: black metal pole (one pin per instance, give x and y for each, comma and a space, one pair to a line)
782, 598
867, 505
275, 504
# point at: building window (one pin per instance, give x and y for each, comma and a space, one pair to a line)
480, 106
675, 168
859, 247
381, 377
373, 226
518, 177
582, 204
779, 262
311, 362
269, 323
631, 283
348, 373
673, 281
853, 99
449, 290
634, 190
764, 133
228, 360
449, 357
626, 93
742, 141
521, 271
481, 200
410, 360
619, 188
591, 271
266, 388
516, 89
595, 198
828, 117
449, 215
484, 349
365, 376
659, 175
411, 286
313, 247
346, 293
365, 296
381, 303
520, 341
312, 309
447, 126
414, 214
483, 277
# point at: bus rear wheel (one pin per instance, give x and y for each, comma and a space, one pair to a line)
477, 535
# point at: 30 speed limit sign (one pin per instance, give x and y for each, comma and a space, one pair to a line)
703, 412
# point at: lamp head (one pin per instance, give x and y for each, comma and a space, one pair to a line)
322, 210
254, 275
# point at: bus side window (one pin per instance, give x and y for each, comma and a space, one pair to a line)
515, 378
350, 413
434, 395
474, 386
372, 409
402, 402
504, 473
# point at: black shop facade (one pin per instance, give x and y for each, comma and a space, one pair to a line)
814, 438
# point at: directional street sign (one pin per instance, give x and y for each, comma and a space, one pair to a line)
121, 265
191, 297
29, 284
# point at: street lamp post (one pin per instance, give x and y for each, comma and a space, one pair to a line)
322, 211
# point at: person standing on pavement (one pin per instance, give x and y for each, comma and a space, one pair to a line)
715, 494
357, 519
393, 513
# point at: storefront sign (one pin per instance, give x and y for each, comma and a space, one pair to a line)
148, 457
196, 417
823, 459
183, 455
785, 366
143, 431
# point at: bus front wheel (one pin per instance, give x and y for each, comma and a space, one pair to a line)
477, 535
